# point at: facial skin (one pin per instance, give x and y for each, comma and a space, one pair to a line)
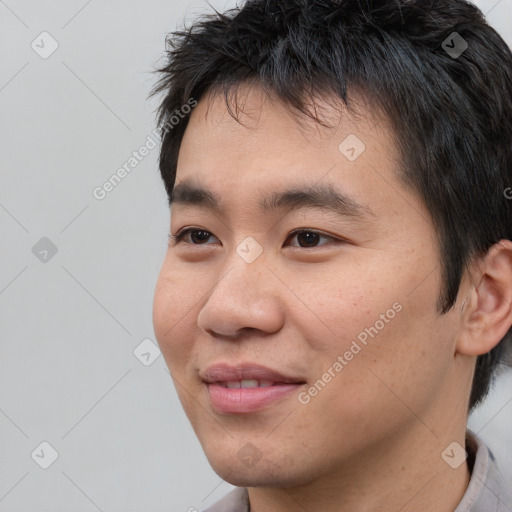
372, 438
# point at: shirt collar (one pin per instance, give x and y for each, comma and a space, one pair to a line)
486, 490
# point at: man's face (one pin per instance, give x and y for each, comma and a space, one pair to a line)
345, 307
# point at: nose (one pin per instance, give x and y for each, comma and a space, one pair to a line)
246, 296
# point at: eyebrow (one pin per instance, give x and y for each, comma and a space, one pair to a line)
321, 196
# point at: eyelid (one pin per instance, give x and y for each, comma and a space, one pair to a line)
177, 238
311, 230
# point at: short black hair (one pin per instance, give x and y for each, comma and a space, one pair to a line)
435, 68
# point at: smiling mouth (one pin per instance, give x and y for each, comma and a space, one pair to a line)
247, 387
248, 383
248, 396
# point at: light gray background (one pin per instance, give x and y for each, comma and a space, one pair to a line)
69, 326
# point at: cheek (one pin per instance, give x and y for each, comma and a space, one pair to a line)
404, 360
173, 310
336, 303
384, 320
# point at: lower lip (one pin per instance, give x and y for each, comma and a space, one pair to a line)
247, 400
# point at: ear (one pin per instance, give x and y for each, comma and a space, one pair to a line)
487, 309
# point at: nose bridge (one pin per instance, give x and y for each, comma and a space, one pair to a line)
247, 276
245, 296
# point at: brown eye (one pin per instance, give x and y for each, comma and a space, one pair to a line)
308, 238
197, 236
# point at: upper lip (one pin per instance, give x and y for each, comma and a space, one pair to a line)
223, 372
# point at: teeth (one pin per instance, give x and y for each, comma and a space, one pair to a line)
249, 383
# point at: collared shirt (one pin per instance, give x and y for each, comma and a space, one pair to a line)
486, 492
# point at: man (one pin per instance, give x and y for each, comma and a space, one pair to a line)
337, 292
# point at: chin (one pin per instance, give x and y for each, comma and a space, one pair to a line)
256, 473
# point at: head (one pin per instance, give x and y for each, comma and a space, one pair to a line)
366, 99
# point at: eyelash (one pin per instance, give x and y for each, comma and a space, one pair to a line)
178, 237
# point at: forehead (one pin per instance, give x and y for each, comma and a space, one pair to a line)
249, 106
271, 149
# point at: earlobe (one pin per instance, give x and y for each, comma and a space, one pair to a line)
487, 309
